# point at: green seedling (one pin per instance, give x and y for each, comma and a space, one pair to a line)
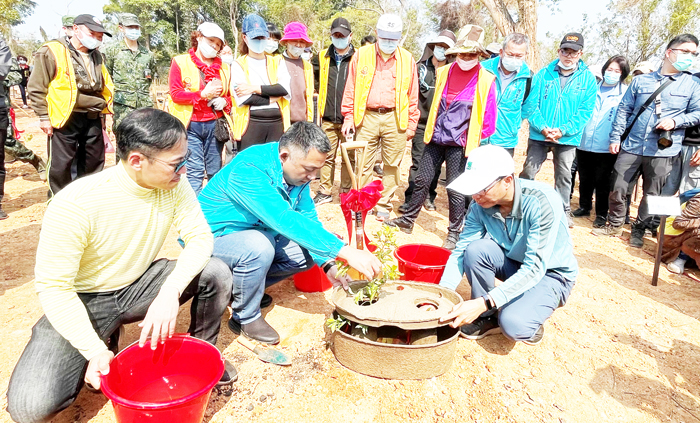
385, 241
337, 323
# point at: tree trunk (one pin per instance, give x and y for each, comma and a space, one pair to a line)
233, 16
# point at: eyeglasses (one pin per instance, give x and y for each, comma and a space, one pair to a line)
176, 167
692, 53
567, 52
493, 184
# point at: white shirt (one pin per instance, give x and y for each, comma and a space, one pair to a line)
257, 75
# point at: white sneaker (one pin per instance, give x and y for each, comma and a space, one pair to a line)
677, 266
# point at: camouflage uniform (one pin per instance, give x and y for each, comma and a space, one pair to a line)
132, 73
14, 149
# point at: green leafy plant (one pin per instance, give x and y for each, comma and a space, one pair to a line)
337, 323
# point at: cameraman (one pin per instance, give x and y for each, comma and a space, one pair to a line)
655, 133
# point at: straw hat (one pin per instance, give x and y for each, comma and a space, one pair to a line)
470, 39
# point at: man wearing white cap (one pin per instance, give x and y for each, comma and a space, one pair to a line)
528, 247
381, 102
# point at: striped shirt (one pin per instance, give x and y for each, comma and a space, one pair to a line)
100, 234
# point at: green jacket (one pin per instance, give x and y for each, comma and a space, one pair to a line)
132, 73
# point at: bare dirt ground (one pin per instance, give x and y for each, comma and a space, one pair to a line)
619, 351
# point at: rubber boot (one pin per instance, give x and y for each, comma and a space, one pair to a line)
40, 167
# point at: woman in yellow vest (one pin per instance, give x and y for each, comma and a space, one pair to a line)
301, 72
260, 88
462, 113
199, 95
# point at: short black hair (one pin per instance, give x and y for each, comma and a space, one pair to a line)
368, 39
682, 39
148, 131
621, 62
274, 31
304, 136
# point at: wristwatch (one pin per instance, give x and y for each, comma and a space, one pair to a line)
327, 265
489, 305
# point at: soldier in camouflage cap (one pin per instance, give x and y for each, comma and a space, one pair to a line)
132, 67
67, 22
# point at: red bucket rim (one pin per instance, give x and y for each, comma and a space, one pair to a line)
424, 266
118, 400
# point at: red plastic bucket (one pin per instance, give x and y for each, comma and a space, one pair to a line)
422, 262
169, 384
312, 280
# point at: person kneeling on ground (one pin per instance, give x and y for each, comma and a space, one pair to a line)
682, 241
265, 224
95, 270
528, 247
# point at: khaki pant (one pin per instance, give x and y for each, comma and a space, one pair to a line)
382, 130
327, 175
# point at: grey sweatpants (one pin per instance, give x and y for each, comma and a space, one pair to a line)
564, 156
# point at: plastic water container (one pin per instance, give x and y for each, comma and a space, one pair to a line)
422, 262
312, 280
169, 384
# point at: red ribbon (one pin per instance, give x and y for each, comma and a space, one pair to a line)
360, 201
15, 131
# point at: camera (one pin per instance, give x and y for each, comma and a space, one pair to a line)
665, 139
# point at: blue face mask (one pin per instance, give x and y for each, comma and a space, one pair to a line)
387, 46
340, 43
683, 61
611, 78
439, 53
132, 33
256, 46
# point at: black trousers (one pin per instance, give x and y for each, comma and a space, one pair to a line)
595, 174
79, 140
417, 149
263, 126
433, 157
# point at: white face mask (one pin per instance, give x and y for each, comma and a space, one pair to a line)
511, 64
387, 46
207, 51
466, 65
132, 34
227, 58
306, 55
295, 51
88, 41
271, 46
439, 53
563, 66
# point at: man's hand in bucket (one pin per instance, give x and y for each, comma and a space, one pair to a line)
161, 317
97, 366
362, 260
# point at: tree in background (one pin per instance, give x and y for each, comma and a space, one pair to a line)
638, 29
12, 12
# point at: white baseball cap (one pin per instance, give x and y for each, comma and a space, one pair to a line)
389, 26
484, 166
210, 29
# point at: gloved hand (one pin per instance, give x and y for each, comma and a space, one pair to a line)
217, 103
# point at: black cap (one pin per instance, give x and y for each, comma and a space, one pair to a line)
572, 40
91, 22
341, 25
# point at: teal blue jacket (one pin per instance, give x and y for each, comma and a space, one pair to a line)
250, 193
569, 110
512, 105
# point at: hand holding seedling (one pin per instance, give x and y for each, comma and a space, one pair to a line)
465, 312
362, 260
338, 279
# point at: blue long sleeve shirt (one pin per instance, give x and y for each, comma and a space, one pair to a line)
535, 233
680, 101
250, 193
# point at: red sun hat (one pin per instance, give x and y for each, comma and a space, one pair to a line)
296, 31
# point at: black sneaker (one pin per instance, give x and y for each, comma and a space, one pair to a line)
481, 327
581, 212
599, 222
536, 338
257, 330
403, 208
322, 198
230, 375
266, 301
3, 215
637, 237
400, 222
378, 170
429, 205
451, 241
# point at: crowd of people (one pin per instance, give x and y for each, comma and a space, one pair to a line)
251, 131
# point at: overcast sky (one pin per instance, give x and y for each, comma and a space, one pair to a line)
48, 15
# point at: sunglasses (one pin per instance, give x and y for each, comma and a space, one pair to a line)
177, 166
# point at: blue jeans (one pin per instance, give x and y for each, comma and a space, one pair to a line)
257, 260
484, 261
50, 372
206, 153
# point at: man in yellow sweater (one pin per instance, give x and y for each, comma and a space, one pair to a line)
95, 268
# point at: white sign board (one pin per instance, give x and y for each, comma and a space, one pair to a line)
664, 206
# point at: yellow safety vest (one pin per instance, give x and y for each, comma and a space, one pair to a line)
63, 89
241, 115
476, 121
190, 80
324, 63
308, 94
364, 74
